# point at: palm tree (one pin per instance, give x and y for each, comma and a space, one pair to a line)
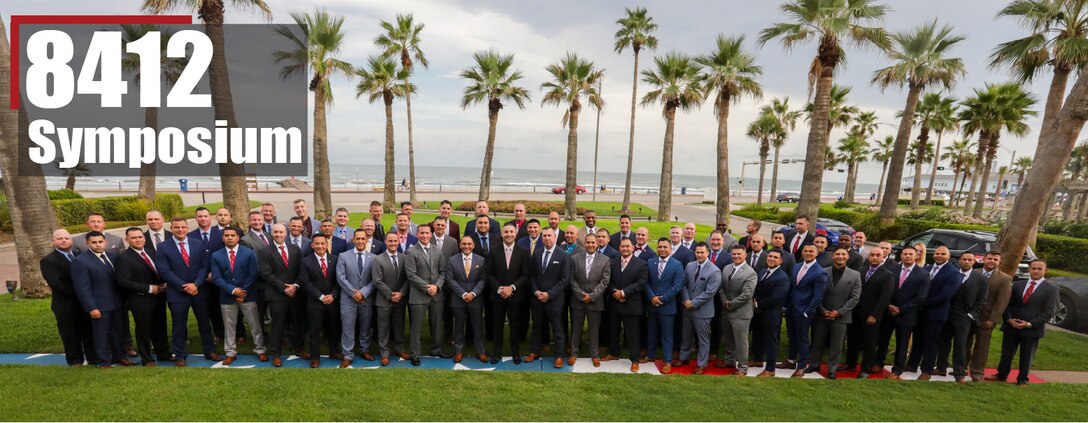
961, 159
882, 153
780, 109
316, 52
572, 78
829, 22
1001, 172
231, 175
944, 120
1020, 168
729, 73
170, 69
80, 169
921, 150
492, 81
989, 111
839, 113
853, 150
635, 31
25, 190
677, 86
379, 80
920, 62
933, 113
763, 130
402, 40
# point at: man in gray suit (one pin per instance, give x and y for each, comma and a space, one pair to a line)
426, 268
95, 222
357, 298
441, 238
701, 281
255, 238
391, 282
836, 311
737, 286
589, 281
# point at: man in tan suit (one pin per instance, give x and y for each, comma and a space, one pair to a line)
589, 281
997, 298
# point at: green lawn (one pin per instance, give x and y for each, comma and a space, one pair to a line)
169, 394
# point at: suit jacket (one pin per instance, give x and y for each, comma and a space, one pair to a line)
552, 277
723, 259
492, 241
809, 238
746, 241
807, 293
609, 252
388, 279
215, 238
683, 255
631, 280
700, 289
459, 284
174, 271
571, 249
243, 276
57, 271
314, 284
523, 230
595, 284
856, 261
114, 243
1039, 309
517, 274
347, 232
645, 253
449, 245
738, 290
408, 243
614, 240
971, 296
353, 278
150, 244
911, 295
494, 229
998, 292
134, 276
525, 243
94, 282
772, 291
305, 247
453, 229
274, 274
379, 231
876, 293
824, 259
423, 270
941, 289
788, 260
337, 246
253, 242
666, 285
842, 295
760, 261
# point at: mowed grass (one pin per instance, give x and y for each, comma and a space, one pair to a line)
169, 394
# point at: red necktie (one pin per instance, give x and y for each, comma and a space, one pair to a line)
232, 260
324, 269
796, 242
283, 253
1027, 294
185, 253
148, 261
261, 236
714, 257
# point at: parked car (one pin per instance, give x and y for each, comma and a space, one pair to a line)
829, 226
787, 197
958, 242
560, 190
1072, 302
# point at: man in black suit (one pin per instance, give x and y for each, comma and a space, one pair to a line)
297, 238
155, 233
1032, 304
856, 261
317, 276
679, 252
877, 286
750, 229
335, 244
771, 294
778, 241
800, 237
93, 277
551, 269
482, 237
966, 309
912, 286
493, 225
625, 232
519, 221
531, 241
73, 324
642, 246
376, 212
624, 302
508, 289
944, 281
279, 265
139, 280
757, 252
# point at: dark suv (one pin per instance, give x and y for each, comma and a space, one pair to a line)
958, 242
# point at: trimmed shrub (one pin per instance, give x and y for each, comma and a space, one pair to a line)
75, 211
63, 194
906, 202
1062, 252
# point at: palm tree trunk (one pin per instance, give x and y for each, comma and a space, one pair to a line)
389, 198
1082, 209
890, 202
916, 190
933, 169
231, 175
1050, 161
812, 181
322, 181
985, 177
489, 151
146, 189
762, 171
959, 192
774, 175
664, 199
411, 147
952, 191
1054, 99
28, 201
631, 143
70, 183
1019, 181
969, 200
851, 181
722, 200
570, 196
880, 186
997, 190
1067, 207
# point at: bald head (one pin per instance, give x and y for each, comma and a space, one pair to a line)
62, 240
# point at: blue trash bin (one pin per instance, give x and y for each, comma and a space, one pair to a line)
184, 185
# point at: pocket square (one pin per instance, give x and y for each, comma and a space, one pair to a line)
555, 262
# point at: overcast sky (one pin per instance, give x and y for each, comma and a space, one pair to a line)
539, 33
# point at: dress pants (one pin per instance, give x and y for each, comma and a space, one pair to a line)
978, 351
799, 336
696, 329
953, 340
299, 326
149, 312
1009, 344
323, 318
902, 340
281, 320
855, 339
659, 332
924, 349
515, 313
550, 315
827, 332
736, 341
770, 328
355, 323
74, 327
230, 322
630, 331
390, 328
108, 338
716, 327
791, 344
215, 314
869, 345
433, 311
474, 315
579, 316
179, 317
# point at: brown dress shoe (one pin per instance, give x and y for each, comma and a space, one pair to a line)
345, 363
405, 356
303, 355
262, 357
722, 365
315, 364
151, 364
336, 356
227, 361
277, 362
876, 368
213, 357
644, 360
995, 378
596, 362
788, 364
482, 357
699, 370
558, 363
126, 362
739, 372
180, 363
572, 360
385, 361
960, 380
678, 363
765, 373
368, 356
531, 357
667, 368
891, 376
634, 367
923, 376
713, 357
610, 357
457, 357
799, 373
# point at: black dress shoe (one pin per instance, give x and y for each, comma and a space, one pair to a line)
831, 376
811, 369
843, 368
495, 360
415, 361
445, 355
863, 375
517, 359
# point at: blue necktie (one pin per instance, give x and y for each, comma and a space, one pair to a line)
70, 256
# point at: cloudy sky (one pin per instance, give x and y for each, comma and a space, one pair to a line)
538, 33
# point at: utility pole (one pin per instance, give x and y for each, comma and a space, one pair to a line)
597, 142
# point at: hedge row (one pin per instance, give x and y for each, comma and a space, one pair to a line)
75, 211
531, 207
1063, 252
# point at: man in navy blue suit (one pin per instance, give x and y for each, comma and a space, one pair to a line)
642, 248
336, 245
603, 238
912, 287
666, 279
808, 286
494, 227
234, 270
183, 264
550, 270
93, 279
771, 293
679, 252
944, 281
531, 241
